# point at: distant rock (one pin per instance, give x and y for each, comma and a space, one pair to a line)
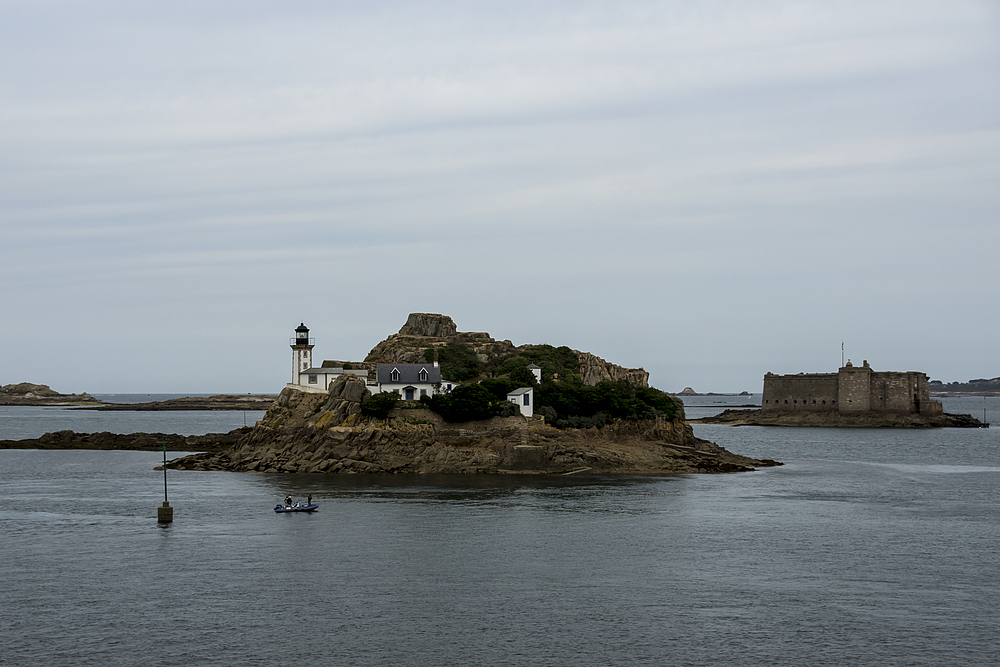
688, 391
28, 389
26, 393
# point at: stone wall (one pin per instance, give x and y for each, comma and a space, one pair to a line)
805, 391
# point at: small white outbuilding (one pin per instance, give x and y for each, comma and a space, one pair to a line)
523, 398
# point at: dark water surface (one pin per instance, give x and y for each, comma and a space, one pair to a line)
869, 547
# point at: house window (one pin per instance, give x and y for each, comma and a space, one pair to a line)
312, 379
423, 392
395, 375
423, 375
526, 399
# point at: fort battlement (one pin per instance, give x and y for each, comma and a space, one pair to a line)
851, 389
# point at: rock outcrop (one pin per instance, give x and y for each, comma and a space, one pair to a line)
429, 324
428, 330
326, 433
593, 370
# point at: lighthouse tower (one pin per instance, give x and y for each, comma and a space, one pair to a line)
302, 351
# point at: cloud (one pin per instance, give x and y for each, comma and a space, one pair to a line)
715, 186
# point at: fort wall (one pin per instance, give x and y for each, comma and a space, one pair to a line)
851, 389
805, 391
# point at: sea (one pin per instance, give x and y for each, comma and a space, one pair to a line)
868, 547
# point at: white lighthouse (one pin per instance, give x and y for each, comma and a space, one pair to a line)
302, 352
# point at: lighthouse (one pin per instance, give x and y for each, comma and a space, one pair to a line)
302, 351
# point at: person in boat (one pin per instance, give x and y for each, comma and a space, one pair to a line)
310, 500
288, 501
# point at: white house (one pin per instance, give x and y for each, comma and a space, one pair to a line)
410, 381
523, 398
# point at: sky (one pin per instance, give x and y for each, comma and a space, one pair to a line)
711, 191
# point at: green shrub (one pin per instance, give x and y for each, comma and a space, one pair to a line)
470, 402
574, 405
507, 409
499, 387
458, 362
380, 405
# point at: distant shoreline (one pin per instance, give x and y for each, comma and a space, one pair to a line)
87, 402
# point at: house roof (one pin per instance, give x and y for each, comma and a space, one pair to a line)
519, 391
533, 366
408, 373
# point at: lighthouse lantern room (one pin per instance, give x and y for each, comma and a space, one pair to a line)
302, 347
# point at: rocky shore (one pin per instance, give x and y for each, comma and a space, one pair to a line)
325, 433
840, 420
130, 441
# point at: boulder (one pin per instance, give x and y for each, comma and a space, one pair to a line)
429, 324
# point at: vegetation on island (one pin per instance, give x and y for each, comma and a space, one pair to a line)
380, 405
562, 397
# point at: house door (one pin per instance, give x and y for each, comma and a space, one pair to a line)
409, 393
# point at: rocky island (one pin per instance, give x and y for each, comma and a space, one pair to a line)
26, 393
868, 419
327, 434
591, 416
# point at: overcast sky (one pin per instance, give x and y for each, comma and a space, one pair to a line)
708, 190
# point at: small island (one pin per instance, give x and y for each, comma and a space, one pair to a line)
430, 399
26, 393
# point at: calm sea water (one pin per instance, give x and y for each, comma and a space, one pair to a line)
868, 547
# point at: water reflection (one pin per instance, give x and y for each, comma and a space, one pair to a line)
550, 492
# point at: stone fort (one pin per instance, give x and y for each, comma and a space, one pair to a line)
851, 389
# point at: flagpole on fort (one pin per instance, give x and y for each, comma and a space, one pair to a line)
841, 354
